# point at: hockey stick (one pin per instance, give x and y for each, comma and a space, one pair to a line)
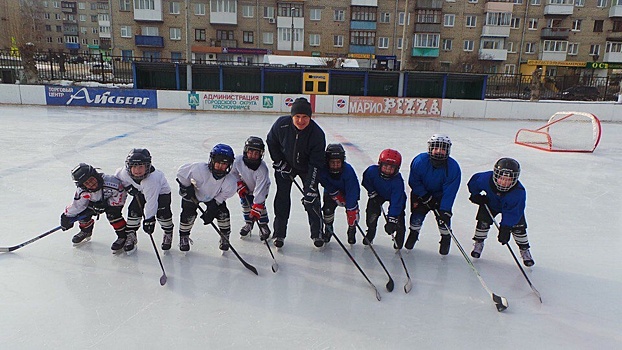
390, 284
275, 266
409, 285
500, 302
341, 244
15, 247
163, 278
247, 265
513, 255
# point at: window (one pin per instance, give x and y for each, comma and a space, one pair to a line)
199, 34
125, 5
533, 24
144, 4
519, 2
617, 26
339, 15
468, 45
449, 20
104, 17
447, 43
81, 6
536, 2
385, 17
95, 41
223, 6
248, 11
383, 43
94, 30
555, 46
59, 40
364, 13
361, 37
126, 55
48, 28
471, 21
491, 44
498, 18
248, 37
601, 3
315, 14
573, 49
515, 23
85, 41
150, 31
59, 29
338, 40
579, 3
46, 15
428, 16
176, 56
400, 20
314, 39
175, 33
82, 18
83, 30
598, 25
225, 35
473, 1
57, 16
268, 12
126, 31
426, 40
399, 43
199, 9
576, 25
174, 7
268, 38
614, 47
530, 47
93, 18
594, 50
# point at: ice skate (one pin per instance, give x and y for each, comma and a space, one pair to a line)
445, 244
117, 246
264, 232
328, 233
130, 243
167, 240
352, 235
527, 259
81, 238
478, 246
184, 243
246, 230
413, 237
278, 242
318, 242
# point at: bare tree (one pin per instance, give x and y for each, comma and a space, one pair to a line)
22, 31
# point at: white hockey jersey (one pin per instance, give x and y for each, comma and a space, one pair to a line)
257, 181
206, 186
151, 187
112, 192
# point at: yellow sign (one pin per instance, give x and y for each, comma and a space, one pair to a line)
361, 55
556, 63
315, 83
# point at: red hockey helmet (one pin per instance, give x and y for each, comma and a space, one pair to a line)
390, 157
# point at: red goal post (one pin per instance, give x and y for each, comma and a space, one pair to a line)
564, 132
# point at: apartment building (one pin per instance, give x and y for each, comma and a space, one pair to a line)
562, 36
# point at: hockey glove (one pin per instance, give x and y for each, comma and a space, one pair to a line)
391, 226
353, 216
242, 189
98, 207
186, 192
210, 212
504, 234
66, 222
429, 201
443, 217
256, 211
283, 169
132, 190
311, 195
149, 225
479, 199
339, 198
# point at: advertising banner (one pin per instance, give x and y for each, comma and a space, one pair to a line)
410, 106
100, 97
237, 102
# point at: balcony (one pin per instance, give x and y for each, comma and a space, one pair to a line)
553, 56
367, 49
613, 57
493, 54
559, 9
429, 4
615, 11
223, 43
614, 36
425, 52
555, 33
427, 28
362, 25
497, 6
72, 46
149, 41
496, 31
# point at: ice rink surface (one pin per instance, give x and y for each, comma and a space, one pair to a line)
55, 296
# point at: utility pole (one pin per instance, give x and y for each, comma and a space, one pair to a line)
404, 39
291, 50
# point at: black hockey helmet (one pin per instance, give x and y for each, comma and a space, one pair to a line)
253, 143
221, 153
82, 172
506, 167
138, 156
335, 151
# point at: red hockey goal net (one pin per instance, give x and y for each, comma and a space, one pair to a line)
564, 132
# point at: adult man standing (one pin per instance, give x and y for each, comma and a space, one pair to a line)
296, 145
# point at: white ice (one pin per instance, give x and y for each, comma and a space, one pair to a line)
56, 296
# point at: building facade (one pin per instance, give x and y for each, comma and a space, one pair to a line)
495, 36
